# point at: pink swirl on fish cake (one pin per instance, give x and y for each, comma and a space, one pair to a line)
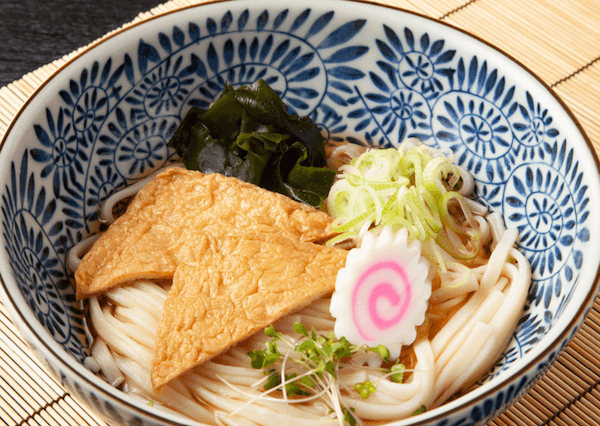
383, 280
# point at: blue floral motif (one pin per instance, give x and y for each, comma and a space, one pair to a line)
59, 146
330, 122
141, 149
545, 214
505, 360
548, 203
473, 120
90, 110
164, 90
409, 77
103, 183
476, 131
36, 254
365, 81
536, 125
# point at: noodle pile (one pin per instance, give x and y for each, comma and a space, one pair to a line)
472, 313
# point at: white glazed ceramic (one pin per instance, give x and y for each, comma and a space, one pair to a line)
364, 73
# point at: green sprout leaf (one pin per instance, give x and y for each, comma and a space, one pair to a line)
314, 368
313, 334
341, 349
300, 329
273, 381
419, 410
307, 345
330, 367
399, 376
383, 352
262, 359
271, 332
365, 389
348, 417
307, 381
291, 387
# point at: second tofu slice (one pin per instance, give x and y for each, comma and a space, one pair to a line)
240, 258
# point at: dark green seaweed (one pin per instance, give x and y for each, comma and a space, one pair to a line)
248, 134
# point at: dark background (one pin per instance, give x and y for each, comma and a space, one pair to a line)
36, 32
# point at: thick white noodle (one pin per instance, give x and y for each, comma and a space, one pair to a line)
185, 404
143, 400
129, 296
458, 321
222, 419
261, 412
423, 375
468, 185
507, 317
498, 257
502, 325
450, 304
485, 229
137, 375
138, 316
461, 287
452, 371
106, 361
92, 364
227, 391
227, 383
342, 154
483, 314
118, 341
133, 331
78, 250
497, 227
476, 208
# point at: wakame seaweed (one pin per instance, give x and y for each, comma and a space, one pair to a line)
248, 134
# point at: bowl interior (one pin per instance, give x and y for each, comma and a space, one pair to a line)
374, 78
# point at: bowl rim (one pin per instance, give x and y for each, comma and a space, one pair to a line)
121, 398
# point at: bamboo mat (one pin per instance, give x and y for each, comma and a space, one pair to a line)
559, 40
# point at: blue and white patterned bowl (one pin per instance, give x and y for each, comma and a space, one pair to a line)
364, 73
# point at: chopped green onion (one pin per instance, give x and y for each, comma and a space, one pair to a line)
412, 188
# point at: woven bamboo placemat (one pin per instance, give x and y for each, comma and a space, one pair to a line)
558, 40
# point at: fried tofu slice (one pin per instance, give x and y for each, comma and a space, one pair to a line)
244, 286
240, 258
167, 216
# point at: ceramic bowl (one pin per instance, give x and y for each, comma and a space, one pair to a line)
363, 72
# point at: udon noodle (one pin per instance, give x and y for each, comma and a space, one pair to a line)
467, 328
